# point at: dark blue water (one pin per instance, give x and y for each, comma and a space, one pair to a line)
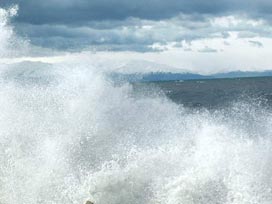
215, 93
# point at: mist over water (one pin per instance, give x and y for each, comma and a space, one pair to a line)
68, 133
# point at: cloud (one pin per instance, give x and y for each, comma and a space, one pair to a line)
137, 25
135, 34
130, 34
82, 11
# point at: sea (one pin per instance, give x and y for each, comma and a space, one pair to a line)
69, 133
212, 93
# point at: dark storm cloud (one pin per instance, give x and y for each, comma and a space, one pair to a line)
118, 24
130, 34
82, 11
72, 38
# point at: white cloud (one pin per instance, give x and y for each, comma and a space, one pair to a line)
178, 39
238, 54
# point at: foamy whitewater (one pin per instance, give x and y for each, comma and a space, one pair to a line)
68, 134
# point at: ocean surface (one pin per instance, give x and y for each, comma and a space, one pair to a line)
68, 133
212, 93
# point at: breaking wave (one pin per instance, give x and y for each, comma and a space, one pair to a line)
67, 134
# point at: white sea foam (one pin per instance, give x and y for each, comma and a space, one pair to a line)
68, 134
11, 45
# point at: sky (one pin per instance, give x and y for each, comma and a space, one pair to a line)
204, 36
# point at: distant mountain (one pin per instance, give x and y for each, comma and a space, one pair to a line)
168, 76
132, 71
143, 66
144, 71
156, 76
239, 74
27, 72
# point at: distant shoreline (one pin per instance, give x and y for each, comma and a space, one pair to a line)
209, 79
164, 77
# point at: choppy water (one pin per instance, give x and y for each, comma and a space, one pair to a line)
211, 94
68, 134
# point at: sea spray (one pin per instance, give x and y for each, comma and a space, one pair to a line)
11, 45
79, 136
68, 134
